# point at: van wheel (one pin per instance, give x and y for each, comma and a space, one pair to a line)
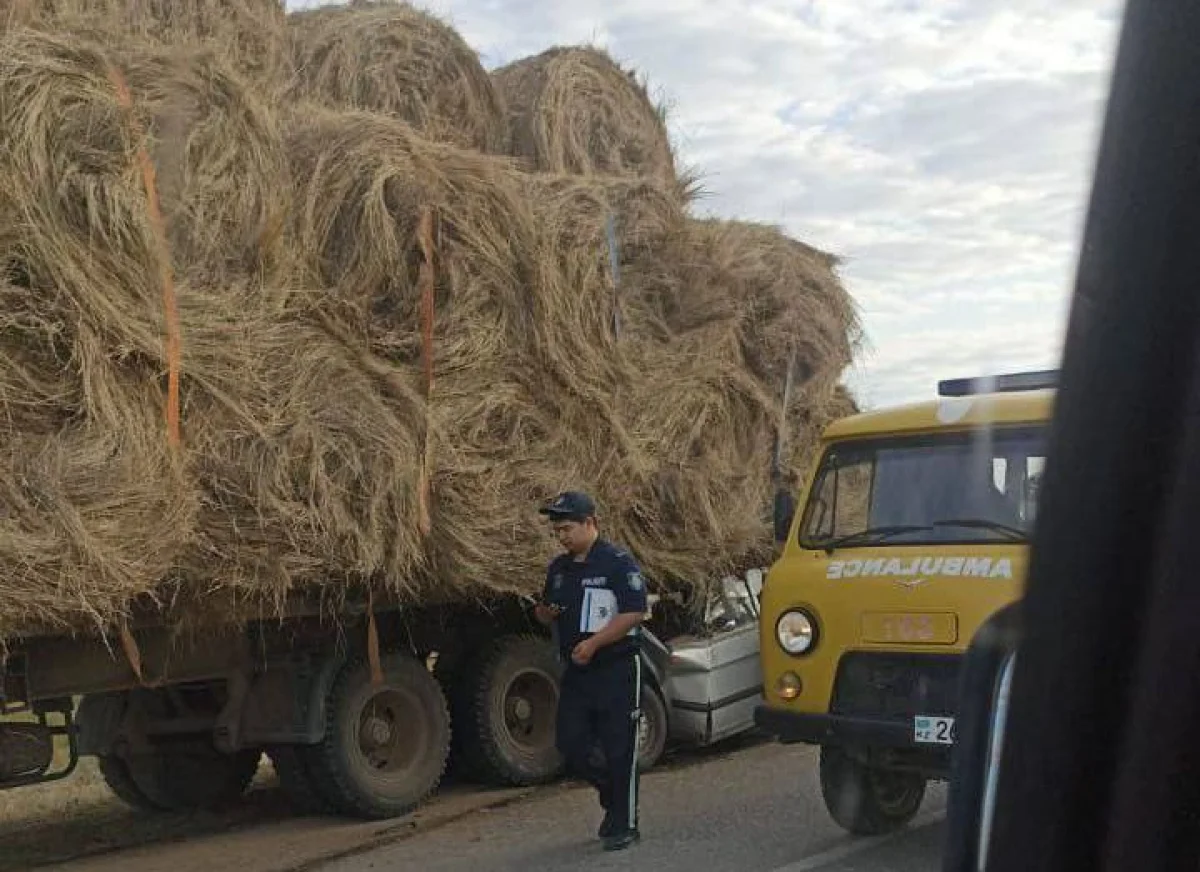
190, 779
652, 729
866, 800
385, 747
506, 709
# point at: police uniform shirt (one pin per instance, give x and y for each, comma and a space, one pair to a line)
591, 593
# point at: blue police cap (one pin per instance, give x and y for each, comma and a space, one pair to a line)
570, 506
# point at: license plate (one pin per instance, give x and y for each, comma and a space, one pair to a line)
890, 628
933, 731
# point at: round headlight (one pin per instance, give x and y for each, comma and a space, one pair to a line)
796, 632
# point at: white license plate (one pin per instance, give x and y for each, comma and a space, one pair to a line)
933, 731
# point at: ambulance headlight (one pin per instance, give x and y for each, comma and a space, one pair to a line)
796, 631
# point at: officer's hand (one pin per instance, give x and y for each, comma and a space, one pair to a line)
583, 653
546, 613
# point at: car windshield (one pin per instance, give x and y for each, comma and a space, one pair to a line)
977, 487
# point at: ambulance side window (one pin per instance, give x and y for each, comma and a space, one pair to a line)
1018, 477
840, 502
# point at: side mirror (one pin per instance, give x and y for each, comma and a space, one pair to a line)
984, 687
785, 513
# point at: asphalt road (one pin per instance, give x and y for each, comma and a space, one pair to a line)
749, 809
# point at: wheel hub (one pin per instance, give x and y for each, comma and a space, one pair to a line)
376, 733
522, 709
529, 706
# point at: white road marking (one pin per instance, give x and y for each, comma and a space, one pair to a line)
858, 846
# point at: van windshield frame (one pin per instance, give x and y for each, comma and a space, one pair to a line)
973, 487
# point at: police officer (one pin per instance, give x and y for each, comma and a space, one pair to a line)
595, 598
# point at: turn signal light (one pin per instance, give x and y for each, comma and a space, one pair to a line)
788, 686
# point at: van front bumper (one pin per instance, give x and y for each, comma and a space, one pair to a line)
815, 729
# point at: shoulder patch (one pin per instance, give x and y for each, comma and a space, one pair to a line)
635, 581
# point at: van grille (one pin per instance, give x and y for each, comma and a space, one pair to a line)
896, 686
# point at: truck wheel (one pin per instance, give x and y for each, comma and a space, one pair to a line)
296, 780
119, 779
385, 746
866, 800
506, 709
192, 780
652, 729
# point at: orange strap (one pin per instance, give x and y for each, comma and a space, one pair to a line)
133, 654
159, 228
425, 283
373, 659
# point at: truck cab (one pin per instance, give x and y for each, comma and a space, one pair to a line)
912, 532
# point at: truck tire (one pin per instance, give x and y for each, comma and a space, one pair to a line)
866, 800
653, 728
385, 747
297, 781
193, 780
506, 709
119, 779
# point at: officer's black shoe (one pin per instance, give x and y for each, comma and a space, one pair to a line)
621, 840
608, 826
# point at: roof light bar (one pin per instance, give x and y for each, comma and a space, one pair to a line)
1012, 382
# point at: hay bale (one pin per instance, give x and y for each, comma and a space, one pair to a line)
361, 182
574, 110
309, 472
581, 305
715, 318
81, 286
251, 34
90, 519
71, 159
765, 296
397, 60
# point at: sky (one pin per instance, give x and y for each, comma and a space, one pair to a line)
942, 148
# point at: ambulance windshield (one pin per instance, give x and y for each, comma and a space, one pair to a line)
945, 488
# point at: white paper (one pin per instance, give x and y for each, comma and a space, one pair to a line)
599, 608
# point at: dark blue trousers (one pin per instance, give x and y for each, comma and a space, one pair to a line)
598, 711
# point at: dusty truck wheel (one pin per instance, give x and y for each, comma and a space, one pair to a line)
119, 779
868, 801
652, 729
506, 708
192, 779
385, 747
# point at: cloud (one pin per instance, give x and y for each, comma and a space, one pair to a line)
944, 148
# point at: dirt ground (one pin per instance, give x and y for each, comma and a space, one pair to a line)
79, 823
79, 816
79, 820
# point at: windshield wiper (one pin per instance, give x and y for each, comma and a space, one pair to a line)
1013, 533
868, 536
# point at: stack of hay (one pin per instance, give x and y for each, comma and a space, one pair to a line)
377, 322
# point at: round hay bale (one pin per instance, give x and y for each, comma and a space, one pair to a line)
362, 181
574, 110
252, 34
716, 318
397, 60
92, 512
580, 301
310, 471
71, 164
758, 294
